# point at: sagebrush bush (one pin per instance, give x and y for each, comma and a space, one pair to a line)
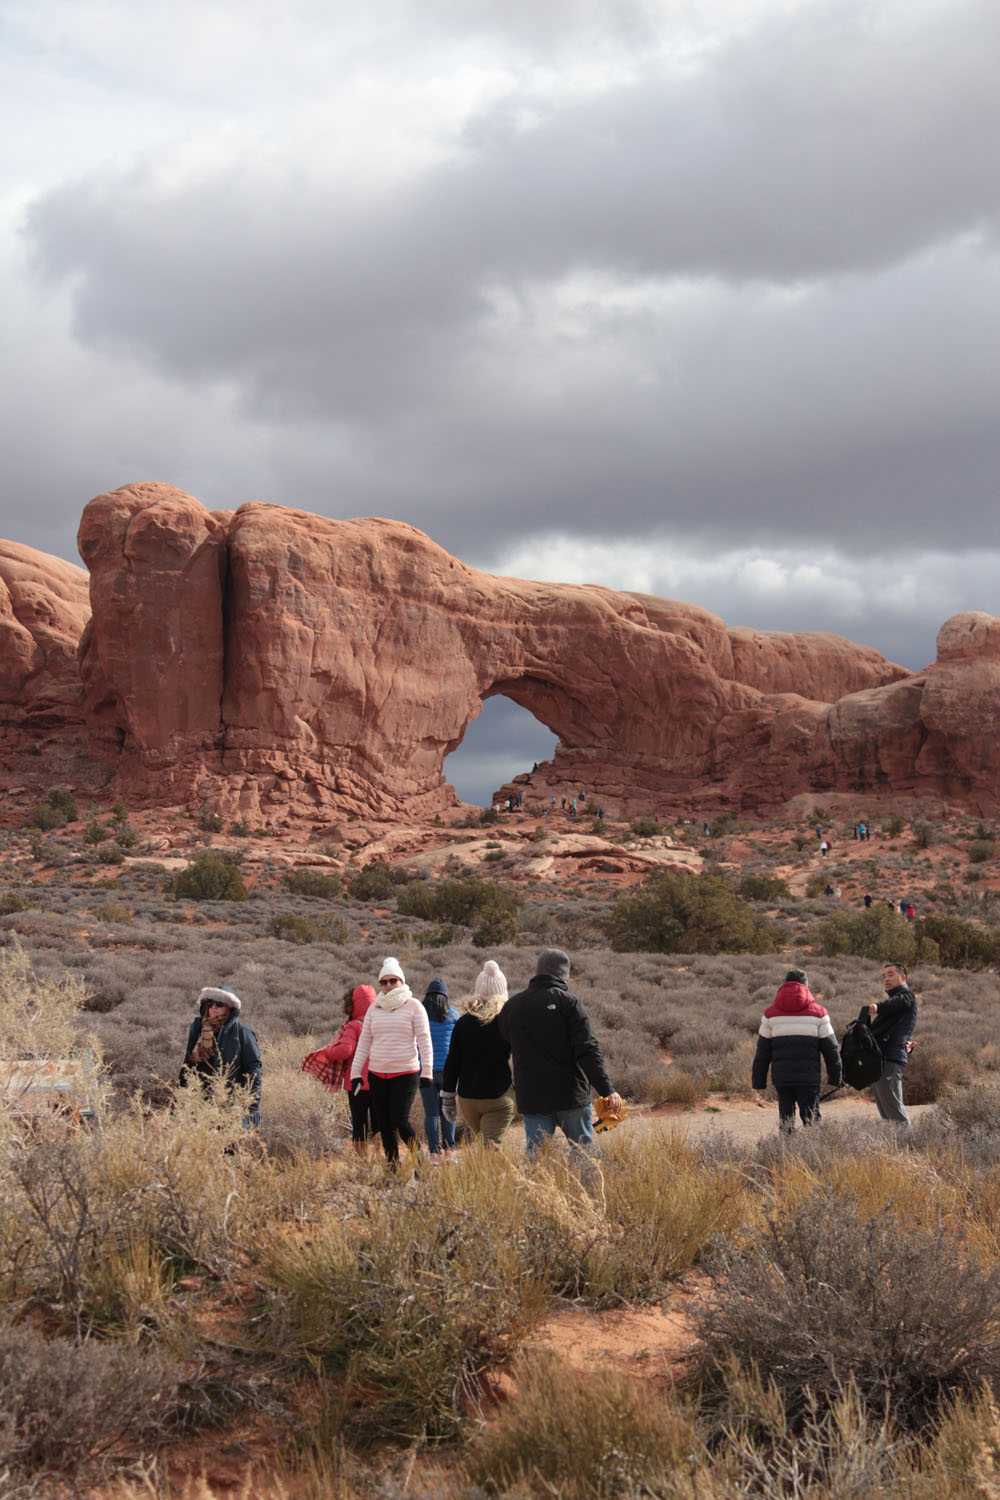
824, 1295
488, 908
324, 884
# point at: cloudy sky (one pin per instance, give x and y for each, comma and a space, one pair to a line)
700, 299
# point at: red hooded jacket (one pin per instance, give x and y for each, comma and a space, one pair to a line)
322, 1064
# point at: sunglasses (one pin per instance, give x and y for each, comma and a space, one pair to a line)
387, 984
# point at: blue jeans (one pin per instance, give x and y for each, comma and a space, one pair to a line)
436, 1127
575, 1124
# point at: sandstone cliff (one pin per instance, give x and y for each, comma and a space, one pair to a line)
280, 665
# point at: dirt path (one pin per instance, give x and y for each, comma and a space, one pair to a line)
747, 1121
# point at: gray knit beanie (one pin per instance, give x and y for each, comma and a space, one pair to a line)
797, 976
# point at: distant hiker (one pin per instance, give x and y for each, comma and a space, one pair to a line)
868, 902
829, 889
477, 1080
332, 1064
819, 830
220, 1044
910, 911
794, 1037
824, 848
395, 1042
555, 1055
892, 1022
441, 1018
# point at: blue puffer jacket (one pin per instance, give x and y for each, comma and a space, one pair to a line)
441, 1038
895, 1018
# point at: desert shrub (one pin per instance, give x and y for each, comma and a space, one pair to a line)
488, 817
210, 821
39, 1012
816, 884
678, 913
414, 1304
874, 933
825, 1295
924, 833
598, 826
933, 1069
721, 824
110, 854
961, 945
377, 881
211, 876
240, 828
763, 888
94, 831
973, 1106
319, 883
803, 841
485, 906
894, 826
581, 1437
645, 828
294, 929
13, 900
981, 850
66, 1405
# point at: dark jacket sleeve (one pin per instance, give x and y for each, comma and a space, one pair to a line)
761, 1063
584, 1046
831, 1054
250, 1064
453, 1062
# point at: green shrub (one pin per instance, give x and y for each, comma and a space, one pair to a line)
645, 828
961, 945
12, 901
674, 912
94, 831
240, 828
488, 816
894, 827
763, 888
488, 908
721, 824
874, 934
327, 886
377, 881
58, 809
210, 821
924, 833
110, 854
981, 850
211, 876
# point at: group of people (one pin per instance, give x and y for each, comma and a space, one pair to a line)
796, 1038
532, 1053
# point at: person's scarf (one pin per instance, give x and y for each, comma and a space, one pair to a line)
394, 998
207, 1044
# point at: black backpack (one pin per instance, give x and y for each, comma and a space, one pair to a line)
861, 1055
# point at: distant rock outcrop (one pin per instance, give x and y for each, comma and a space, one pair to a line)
279, 665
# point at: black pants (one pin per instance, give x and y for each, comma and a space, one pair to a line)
392, 1100
362, 1118
805, 1097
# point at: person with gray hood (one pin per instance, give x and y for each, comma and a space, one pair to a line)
220, 1043
555, 1056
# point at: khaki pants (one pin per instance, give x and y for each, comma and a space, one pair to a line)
490, 1118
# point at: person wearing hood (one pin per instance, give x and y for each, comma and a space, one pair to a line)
220, 1043
441, 1018
556, 1057
332, 1064
795, 1037
476, 1080
395, 1045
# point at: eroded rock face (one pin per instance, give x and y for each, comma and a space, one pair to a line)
44, 608
280, 665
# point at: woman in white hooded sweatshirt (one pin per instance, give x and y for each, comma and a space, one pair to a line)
395, 1042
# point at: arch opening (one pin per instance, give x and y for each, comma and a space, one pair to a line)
501, 742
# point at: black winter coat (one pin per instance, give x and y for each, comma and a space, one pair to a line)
894, 1021
478, 1061
556, 1058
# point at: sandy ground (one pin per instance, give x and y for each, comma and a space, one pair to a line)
747, 1121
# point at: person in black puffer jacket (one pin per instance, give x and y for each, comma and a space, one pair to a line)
794, 1038
892, 1022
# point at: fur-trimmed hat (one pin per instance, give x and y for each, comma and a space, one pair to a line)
223, 993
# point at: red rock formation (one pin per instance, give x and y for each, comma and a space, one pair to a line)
281, 665
44, 606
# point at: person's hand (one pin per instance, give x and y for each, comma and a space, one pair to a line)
614, 1103
425, 1083
449, 1107
356, 1085
872, 1012
758, 1098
